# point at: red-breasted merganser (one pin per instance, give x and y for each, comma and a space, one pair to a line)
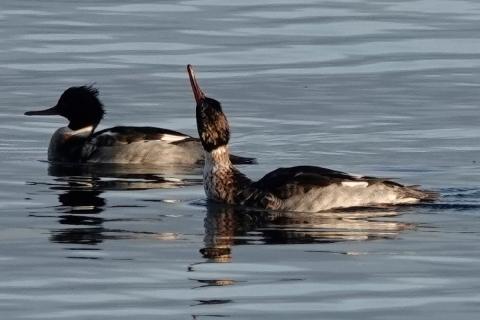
122, 145
302, 188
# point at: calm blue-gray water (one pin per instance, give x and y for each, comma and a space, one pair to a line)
387, 88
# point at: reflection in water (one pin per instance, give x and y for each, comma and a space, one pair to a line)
226, 226
80, 206
81, 202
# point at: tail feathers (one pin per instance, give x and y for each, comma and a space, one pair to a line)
421, 195
242, 160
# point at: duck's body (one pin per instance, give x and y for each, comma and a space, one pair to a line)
301, 188
125, 145
79, 143
138, 145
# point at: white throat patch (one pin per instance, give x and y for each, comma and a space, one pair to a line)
219, 156
83, 132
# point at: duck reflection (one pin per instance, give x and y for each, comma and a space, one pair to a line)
226, 226
80, 207
81, 201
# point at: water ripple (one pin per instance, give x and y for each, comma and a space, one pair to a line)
386, 88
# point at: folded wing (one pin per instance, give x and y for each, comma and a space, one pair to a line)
125, 135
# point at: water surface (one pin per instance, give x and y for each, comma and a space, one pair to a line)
385, 88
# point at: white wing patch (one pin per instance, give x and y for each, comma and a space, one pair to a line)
352, 184
109, 133
408, 200
357, 176
172, 138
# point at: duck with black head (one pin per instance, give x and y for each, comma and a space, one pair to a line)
301, 188
79, 143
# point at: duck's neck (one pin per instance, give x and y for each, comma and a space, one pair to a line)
218, 158
66, 144
221, 180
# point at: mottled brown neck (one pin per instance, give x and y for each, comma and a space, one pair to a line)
222, 181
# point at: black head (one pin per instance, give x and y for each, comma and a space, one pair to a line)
212, 124
80, 105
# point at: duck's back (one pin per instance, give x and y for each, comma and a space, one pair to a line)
312, 189
142, 145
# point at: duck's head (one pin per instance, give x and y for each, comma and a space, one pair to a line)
80, 105
212, 124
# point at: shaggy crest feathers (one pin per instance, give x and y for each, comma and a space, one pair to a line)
81, 106
90, 88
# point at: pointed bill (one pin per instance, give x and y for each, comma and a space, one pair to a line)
47, 112
197, 92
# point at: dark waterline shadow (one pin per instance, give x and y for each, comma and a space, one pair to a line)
456, 200
128, 177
